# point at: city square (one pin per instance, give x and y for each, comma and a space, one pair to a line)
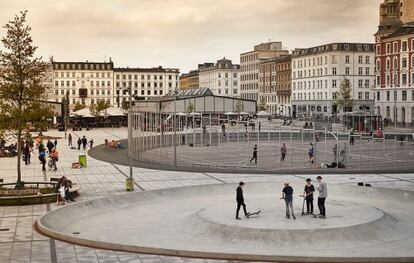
180, 131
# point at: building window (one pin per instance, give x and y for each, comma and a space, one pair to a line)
404, 79
360, 95
378, 96
334, 71
395, 47
360, 71
347, 59
404, 95
404, 46
367, 71
360, 83
388, 49
334, 83
367, 95
360, 58
367, 83
404, 63
367, 60
395, 63
388, 95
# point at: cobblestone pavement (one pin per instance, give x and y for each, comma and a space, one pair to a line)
20, 243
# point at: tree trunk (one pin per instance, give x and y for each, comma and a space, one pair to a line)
19, 158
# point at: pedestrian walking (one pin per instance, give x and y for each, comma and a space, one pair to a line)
351, 137
50, 145
311, 152
70, 139
79, 143
254, 154
91, 143
84, 142
283, 152
323, 194
287, 195
26, 153
240, 201
42, 159
223, 130
308, 195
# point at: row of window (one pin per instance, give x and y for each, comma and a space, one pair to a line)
319, 61
319, 72
395, 47
225, 91
324, 96
72, 66
319, 84
73, 83
82, 75
393, 80
395, 66
249, 86
396, 95
247, 77
142, 92
92, 92
142, 77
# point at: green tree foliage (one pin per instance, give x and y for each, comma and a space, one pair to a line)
78, 106
239, 107
99, 106
190, 107
21, 89
262, 104
344, 96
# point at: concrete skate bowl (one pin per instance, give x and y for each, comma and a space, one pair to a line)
215, 153
362, 225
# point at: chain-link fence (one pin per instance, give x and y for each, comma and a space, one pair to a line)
218, 142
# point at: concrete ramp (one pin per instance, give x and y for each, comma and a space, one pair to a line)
362, 225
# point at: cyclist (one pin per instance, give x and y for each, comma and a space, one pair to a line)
54, 157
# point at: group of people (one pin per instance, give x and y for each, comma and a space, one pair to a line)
283, 153
52, 152
114, 144
7, 150
287, 196
82, 142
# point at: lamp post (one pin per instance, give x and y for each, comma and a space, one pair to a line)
395, 103
174, 127
130, 180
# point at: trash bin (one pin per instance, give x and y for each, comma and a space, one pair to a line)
82, 159
129, 184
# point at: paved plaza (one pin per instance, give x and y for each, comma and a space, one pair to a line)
20, 243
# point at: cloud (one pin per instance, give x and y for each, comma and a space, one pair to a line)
183, 33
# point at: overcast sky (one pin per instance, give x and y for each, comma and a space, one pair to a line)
183, 33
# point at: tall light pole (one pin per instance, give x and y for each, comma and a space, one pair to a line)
130, 180
174, 127
395, 103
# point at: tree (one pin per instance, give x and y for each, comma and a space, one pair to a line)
99, 106
190, 107
262, 104
239, 106
344, 96
78, 106
21, 89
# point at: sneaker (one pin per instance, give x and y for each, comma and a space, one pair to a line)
238, 218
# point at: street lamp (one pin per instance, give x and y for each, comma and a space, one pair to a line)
130, 180
175, 129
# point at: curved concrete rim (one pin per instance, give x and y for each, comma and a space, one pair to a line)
73, 239
106, 154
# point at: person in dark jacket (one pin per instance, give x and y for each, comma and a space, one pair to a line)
79, 143
287, 195
50, 145
84, 142
254, 154
26, 153
308, 194
240, 201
